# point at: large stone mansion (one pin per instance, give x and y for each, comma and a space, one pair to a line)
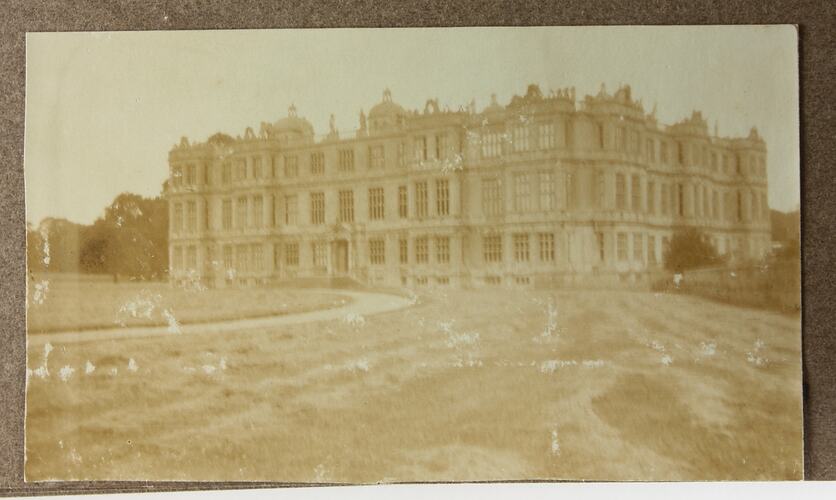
545, 190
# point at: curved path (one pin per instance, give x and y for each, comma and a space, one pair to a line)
364, 304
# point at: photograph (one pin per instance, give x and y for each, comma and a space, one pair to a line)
414, 255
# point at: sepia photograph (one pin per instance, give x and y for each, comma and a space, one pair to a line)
359, 256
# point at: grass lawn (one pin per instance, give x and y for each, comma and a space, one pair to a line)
464, 385
76, 304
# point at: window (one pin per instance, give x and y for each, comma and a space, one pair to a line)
376, 210
680, 198
620, 139
681, 154
403, 202
620, 192
442, 249
570, 190
650, 149
522, 280
229, 259
491, 144
546, 247
522, 192
492, 196
317, 163
291, 254
421, 201
226, 215
257, 256
258, 211
706, 201
442, 196
320, 254
714, 161
257, 173
401, 154
191, 257
621, 246
177, 225
376, 158
191, 175
599, 135
739, 206
318, 208
441, 146
346, 199
242, 258
636, 193
346, 160
422, 254
600, 190
207, 221
547, 192
191, 216
546, 135
665, 197
178, 258
403, 250
520, 138
651, 249
226, 173
241, 213
177, 176
291, 166
638, 247
651, 197
240, 169
291, 209
492, 248
377, 251
663, 152
421, 148
715, 205
520, 247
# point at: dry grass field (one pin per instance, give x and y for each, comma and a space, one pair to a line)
462, 385
69, 304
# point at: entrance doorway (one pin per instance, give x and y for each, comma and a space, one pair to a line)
341, 257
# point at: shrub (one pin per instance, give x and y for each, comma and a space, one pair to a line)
690, 248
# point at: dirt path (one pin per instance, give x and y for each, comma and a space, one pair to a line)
363, 304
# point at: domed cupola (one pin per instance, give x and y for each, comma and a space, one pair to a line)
292, 128
386, 115
494, 107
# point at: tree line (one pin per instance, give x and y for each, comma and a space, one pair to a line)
130, 240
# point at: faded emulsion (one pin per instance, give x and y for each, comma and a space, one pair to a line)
554, 286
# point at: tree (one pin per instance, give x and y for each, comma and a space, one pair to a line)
131, 239
55, 245
690, 248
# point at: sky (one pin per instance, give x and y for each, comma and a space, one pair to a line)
104, 109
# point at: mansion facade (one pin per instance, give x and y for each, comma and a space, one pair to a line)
546, 190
